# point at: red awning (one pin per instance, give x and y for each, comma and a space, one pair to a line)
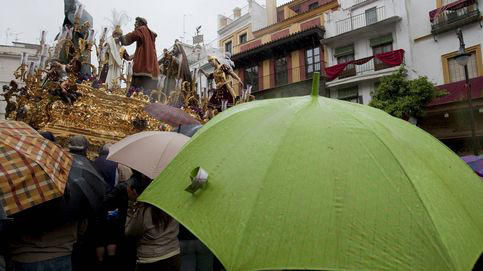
457, 91
451, 6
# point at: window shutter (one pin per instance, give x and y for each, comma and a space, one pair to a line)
343, 51
381, 40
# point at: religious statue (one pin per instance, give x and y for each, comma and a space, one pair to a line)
115, 53
175, 73
145, 68
223, 76
9, 94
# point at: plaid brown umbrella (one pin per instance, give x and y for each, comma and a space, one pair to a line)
33, 170
170, 115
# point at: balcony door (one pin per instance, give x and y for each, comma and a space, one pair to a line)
281, 71
371, 16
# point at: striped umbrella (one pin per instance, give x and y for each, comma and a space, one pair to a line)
33, 170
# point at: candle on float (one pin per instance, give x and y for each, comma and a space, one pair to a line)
24, 58
31, 68
43, 36
92, 35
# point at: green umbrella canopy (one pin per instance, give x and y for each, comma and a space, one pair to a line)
321, 184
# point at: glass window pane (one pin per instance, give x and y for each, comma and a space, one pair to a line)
309, 53
310, 68
310, 61
316, 51
317, 67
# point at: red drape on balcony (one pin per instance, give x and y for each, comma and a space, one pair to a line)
393, 58
451, 6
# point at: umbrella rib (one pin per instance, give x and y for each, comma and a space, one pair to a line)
407, 176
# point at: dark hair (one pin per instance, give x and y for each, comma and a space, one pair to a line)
141, 21
140, 182
47, 135
159, 218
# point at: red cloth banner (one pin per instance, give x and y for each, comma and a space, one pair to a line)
392, 59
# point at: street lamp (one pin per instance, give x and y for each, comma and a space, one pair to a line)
462, 59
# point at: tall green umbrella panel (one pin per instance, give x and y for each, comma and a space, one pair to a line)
322, 184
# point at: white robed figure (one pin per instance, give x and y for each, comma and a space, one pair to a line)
115, 63
116, 54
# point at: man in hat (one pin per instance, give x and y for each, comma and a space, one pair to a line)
145, 68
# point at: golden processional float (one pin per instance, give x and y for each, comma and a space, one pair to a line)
58, 98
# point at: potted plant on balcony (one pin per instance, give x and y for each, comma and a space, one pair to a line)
404, 98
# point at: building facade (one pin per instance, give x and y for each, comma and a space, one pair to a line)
365, 40
10, 56
435, 47
280, 59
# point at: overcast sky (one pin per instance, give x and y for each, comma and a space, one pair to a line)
28, 17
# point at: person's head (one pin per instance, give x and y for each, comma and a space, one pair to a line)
137, 184
48, 135
78, 144
104, 150
213, 61
117, 32
140, 22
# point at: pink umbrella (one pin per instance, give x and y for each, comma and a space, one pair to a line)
147, 152
171, 115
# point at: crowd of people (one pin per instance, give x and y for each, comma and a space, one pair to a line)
120, 234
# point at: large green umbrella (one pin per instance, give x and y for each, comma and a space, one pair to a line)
321, 184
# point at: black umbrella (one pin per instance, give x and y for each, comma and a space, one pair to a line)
84, 176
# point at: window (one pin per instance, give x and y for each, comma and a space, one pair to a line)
351, 68
313, 5
384, 48
371, 16
312, 61
296, 9
251, 77
228, 47
280, 16
243, 38
457, 72
453, 72
350, 94
281, 71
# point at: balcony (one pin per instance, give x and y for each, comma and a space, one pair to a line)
373, 66
369, 17
454, 15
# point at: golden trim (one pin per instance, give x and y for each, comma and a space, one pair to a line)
296, 19
479, 61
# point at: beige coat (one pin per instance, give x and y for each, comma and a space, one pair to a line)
152, 242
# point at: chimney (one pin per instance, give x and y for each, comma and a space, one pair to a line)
237, 13
222, 21
271, 11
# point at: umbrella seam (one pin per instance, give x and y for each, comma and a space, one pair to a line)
412, 185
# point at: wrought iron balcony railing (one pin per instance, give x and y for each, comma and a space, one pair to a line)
454, 15
369, 17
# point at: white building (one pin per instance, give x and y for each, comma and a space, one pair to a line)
9, 62
434, 39
360, 29
425, 30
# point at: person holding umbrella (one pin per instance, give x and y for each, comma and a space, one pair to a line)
155, 232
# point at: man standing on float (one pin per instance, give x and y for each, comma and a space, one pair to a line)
145, 68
